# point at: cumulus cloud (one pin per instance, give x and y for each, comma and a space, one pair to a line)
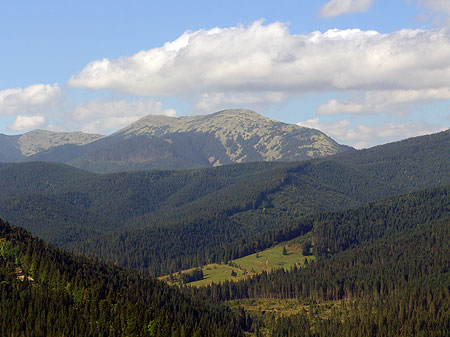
29, 99
338, 7
230, 64
102, 116
362, 136
398, 102
219, 101
23, 123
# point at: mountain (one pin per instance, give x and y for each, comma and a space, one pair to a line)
160, 142
237, 136
161, 221
45, 291
19, 147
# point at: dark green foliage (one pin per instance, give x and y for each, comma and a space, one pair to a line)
163, 221
388, 264
306, 248
337, 231
360, 231
408, 164
75, 296
40, 178
195, 275
399, 285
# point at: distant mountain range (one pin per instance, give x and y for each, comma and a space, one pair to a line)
19, 147
161, 142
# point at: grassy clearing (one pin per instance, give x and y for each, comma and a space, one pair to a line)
267, 260
284, 307
275, 306
273, 258
267, 310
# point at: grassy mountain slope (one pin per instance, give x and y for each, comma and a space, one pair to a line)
337, 231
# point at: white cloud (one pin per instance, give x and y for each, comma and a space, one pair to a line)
23, 123
338, 7
30, 99
362, 136
398, 102
219, 101
268, 58
104, 116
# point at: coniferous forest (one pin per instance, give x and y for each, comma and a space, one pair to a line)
47, 292
377, 222
389, 270
159, 222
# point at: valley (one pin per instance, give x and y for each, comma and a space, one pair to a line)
174, 220
354, 243
225, 169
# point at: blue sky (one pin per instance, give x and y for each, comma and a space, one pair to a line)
365, 72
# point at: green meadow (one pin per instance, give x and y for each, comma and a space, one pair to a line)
283, 256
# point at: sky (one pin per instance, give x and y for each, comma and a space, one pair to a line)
365, 72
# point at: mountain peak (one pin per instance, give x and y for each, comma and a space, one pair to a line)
238, 113
35, 141
241, 114
163, 142
237, 135
224, 119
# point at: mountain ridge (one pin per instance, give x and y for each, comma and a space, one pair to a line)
162, 142
227, 125
36, 141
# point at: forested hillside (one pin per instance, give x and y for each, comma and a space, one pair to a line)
163, 221
383, 268
221, 226
410, 163
47, 292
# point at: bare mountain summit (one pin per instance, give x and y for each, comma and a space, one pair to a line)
236, 136
15, 148
161, 142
